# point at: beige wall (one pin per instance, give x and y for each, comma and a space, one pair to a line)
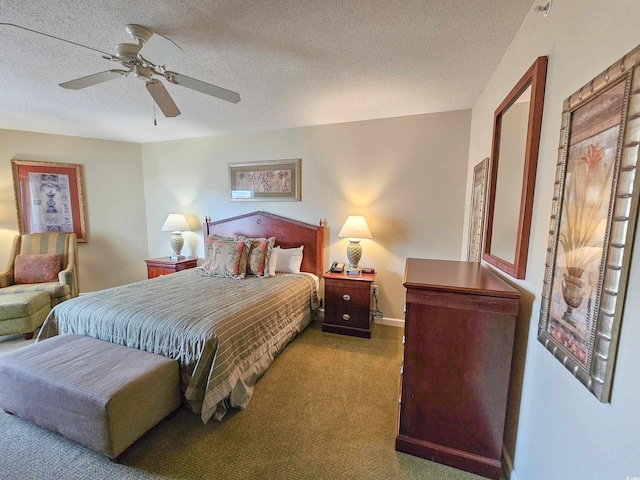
406, 175
562, 432
115, 210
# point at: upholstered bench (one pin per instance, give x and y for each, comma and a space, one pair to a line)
99, 394
23, 312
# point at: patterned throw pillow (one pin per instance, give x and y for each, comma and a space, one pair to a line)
228, 259
259, 254
208, 248
39, 268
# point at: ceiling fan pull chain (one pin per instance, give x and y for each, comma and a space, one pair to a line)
153, 88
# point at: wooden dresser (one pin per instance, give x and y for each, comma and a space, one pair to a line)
459, 328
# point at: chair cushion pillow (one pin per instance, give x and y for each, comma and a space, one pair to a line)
39, 268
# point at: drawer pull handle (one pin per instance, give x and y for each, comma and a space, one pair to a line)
346, 316
346, 297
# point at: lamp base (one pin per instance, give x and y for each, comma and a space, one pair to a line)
354, 252
177, 242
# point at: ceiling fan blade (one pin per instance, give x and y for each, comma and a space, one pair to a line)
159, 50
202, 87
56, 38
162, 98
94, 79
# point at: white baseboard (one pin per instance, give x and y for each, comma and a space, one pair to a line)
392, 322
508, 469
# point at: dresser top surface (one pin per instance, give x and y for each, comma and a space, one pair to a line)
454, 276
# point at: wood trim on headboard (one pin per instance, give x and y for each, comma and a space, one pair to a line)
289, 233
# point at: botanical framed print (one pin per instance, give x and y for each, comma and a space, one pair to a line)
592, 225
272, 180
476, 213
49, 197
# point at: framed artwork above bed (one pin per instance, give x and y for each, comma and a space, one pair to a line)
272, 180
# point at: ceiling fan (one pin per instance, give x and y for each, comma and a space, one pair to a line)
145, 59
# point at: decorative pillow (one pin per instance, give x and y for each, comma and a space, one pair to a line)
208, 248
39, 268
273, 261
228, 259
289, 259
259, 255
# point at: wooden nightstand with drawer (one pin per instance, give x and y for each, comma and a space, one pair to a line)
157, 267
347, 308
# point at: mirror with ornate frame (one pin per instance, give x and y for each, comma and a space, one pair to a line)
512, 174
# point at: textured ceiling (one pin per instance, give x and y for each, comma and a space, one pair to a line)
294, 62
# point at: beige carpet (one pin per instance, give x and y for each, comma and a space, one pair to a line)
326, 409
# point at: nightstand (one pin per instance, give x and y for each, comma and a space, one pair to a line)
163, 266
347, 304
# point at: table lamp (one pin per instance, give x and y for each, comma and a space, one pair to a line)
355, 229
177, 224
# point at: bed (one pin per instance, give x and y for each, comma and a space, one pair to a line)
224, 332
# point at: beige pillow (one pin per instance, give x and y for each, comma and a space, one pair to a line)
273, 261
208, 248
228, 259
260, 251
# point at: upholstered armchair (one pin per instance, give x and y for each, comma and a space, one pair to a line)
31, 267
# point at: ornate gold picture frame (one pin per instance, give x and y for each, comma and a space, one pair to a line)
592, 225
476, 212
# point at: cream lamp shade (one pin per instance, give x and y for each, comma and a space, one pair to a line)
355, 229
177, 224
